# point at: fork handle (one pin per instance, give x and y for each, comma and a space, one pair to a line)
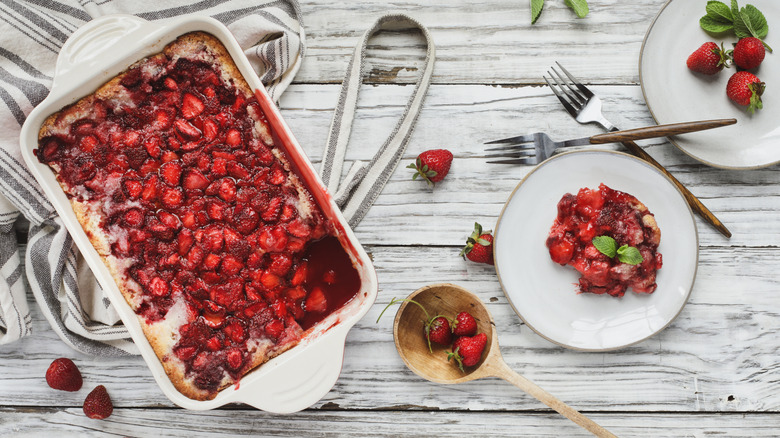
659, 131
693, 201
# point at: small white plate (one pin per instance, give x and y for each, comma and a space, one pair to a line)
675, 94
544, 293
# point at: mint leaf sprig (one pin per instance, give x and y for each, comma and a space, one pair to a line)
743, 22
580, 7
625, 254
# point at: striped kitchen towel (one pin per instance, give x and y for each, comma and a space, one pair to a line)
31, 34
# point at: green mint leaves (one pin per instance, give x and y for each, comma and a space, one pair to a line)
744, 22
629, 255
625, 254
580, 7
536, 10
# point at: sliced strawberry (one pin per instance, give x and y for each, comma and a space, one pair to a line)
152, 145
132, 188
235, 331
170, 172
194, 180
272, 210
88, 143
280, 264
227, 189
277, 177
163, 120
237, 171
235, 359
329, 277
233, 138
159, 287
214, 343
316, 301
219, 167
172, 197
214, 239
169, 220
301, 272
185, 353
131, 138
274, 329
133, 218
216, 210
211, 261
270, 280
191, 106
185, 241
150, 188
170, 84
231, 266
298, 228
245, 220
210, 129
187, 129
295, 293
273, 239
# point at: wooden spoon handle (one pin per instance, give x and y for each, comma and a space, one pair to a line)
659, 131
503, 371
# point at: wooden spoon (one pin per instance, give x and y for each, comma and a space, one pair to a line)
449, 299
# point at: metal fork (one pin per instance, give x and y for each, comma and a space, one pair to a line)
585, 107
535, 148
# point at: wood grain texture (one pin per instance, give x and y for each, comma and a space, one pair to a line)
713, 371
146, 423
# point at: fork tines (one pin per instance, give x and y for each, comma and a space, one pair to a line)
571, 93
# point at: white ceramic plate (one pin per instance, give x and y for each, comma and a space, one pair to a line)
544, 293
675, 94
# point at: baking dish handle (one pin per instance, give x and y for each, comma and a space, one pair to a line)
93, 47
316, 371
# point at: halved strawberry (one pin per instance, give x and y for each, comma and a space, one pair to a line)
172, 197
187, 129
132, 188
316, 301
191, 106
171, 172
159, 287
235, 359
194, 180
233, 138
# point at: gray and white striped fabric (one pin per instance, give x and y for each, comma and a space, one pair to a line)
31, 34
363, 182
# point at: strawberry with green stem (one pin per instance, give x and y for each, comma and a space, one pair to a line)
436, 329
432, 165
467, 350
479, 246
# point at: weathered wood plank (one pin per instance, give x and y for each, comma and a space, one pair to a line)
408, 212
720, 355
168, 423
481, 41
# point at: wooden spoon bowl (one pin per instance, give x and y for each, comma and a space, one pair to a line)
449, 300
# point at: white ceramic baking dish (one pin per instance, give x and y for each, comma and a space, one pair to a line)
104, 48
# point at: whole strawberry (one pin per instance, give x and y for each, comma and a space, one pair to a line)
438, 331
98, 404
467, 351
745, 89
708, 59
479, 246
748, 53
464, 325
64, 375
432, 165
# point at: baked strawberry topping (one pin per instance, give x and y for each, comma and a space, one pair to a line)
208, 225
614, 214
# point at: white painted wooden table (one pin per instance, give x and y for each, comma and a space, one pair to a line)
714, 371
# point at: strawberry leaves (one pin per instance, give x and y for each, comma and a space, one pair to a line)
580, 7
743, 22
625, 254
